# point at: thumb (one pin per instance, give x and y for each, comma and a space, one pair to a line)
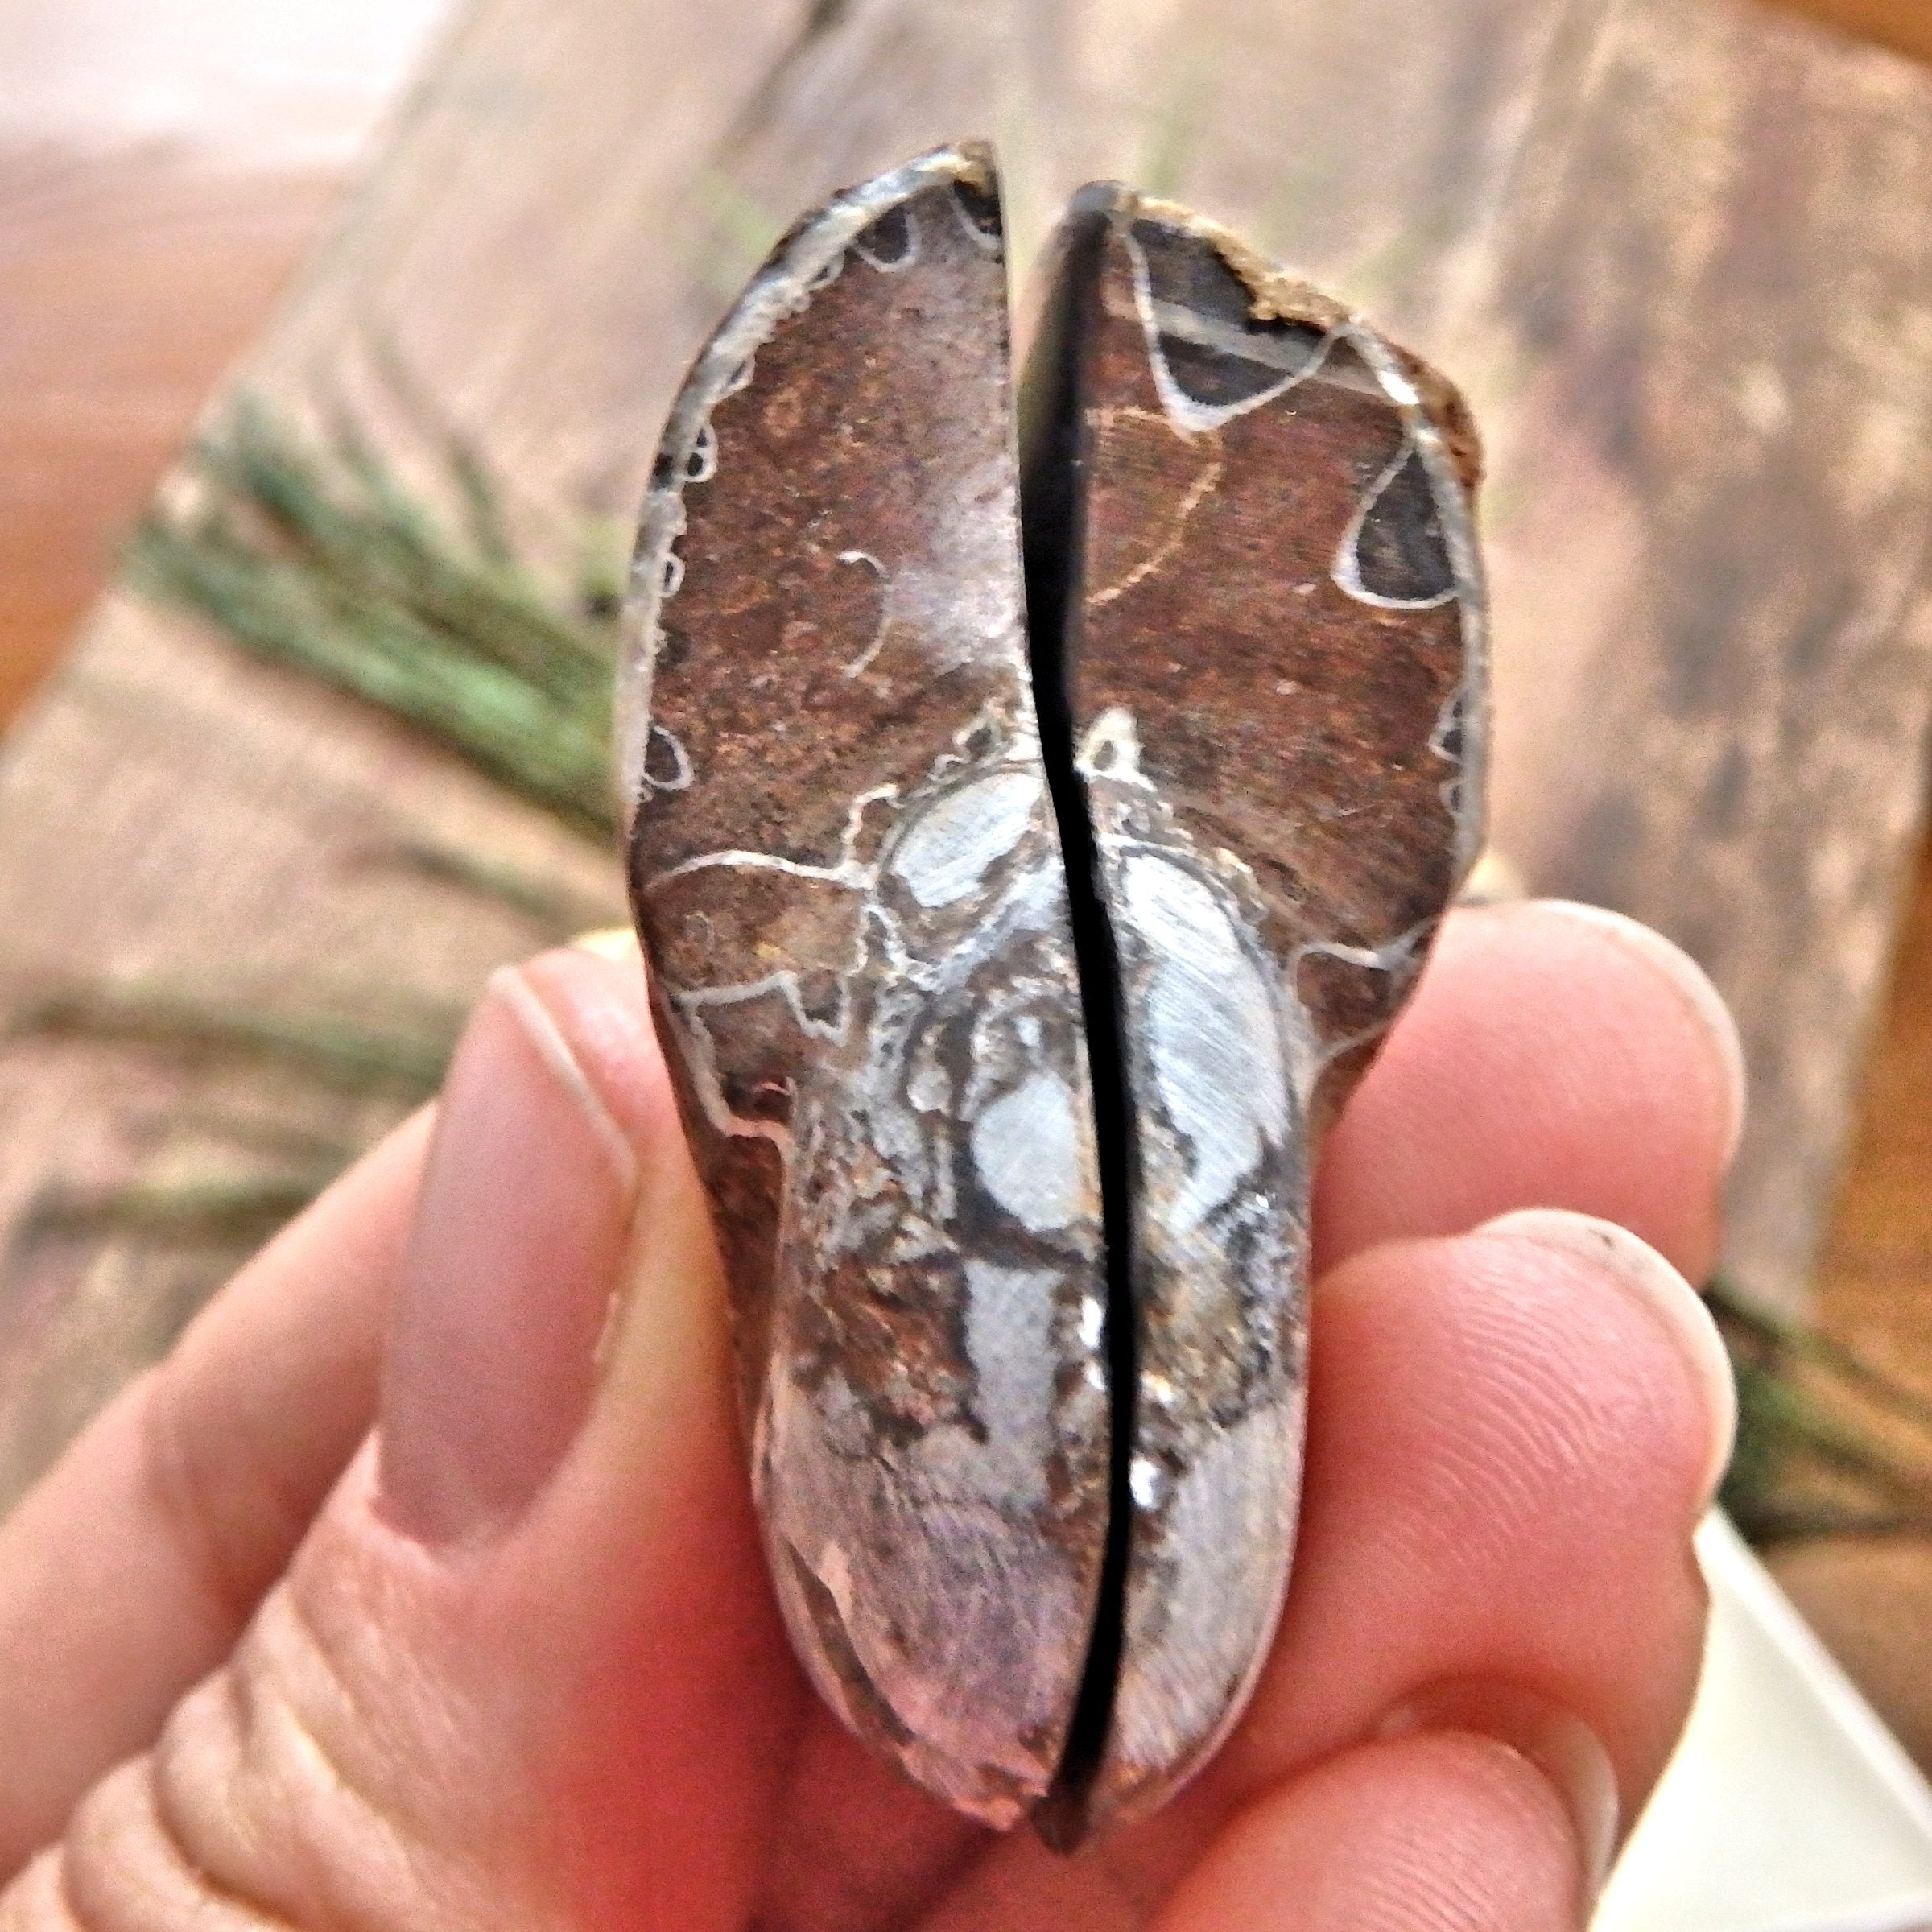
525, 1668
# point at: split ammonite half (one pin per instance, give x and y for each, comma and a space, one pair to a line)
1031, 846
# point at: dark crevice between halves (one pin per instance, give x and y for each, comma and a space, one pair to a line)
1051, 490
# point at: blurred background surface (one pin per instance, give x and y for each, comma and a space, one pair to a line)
162, 168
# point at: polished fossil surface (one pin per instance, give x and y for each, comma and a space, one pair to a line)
1030, 843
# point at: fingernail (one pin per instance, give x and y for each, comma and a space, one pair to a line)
1650, 1280
1694, 987
1556, 1742
508, 1278
618, 942
1493, 880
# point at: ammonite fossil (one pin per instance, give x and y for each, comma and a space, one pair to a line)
1031, 835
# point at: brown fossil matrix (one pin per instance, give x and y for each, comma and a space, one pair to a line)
1002, 1051
1258, 608
846, 868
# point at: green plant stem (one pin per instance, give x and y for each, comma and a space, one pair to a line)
179, 1214
330, 1053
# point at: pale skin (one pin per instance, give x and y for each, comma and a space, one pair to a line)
420, 1586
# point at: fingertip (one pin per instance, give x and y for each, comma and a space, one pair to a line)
1553, 1056
1640, 1271
557, 1131
1693, 985
1451, 1830
1506, 1460
1557, 1741
513, 1261
558, 1524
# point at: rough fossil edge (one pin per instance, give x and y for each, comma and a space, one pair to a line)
1438, 418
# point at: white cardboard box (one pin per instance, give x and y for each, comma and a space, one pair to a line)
1789, 1807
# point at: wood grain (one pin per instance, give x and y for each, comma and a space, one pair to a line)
1679, 250
1709, 538
1875, 1278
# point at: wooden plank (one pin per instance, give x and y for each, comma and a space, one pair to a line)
162, 170
1875, 1278
1704, 381
1906, 25
173, 811
1713, 316
1870, 1597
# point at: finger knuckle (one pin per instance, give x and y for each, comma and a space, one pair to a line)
259, 1807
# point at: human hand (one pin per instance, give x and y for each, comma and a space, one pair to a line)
419, 1587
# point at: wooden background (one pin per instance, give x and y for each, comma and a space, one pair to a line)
1904, 24
163, 165
1679, 251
